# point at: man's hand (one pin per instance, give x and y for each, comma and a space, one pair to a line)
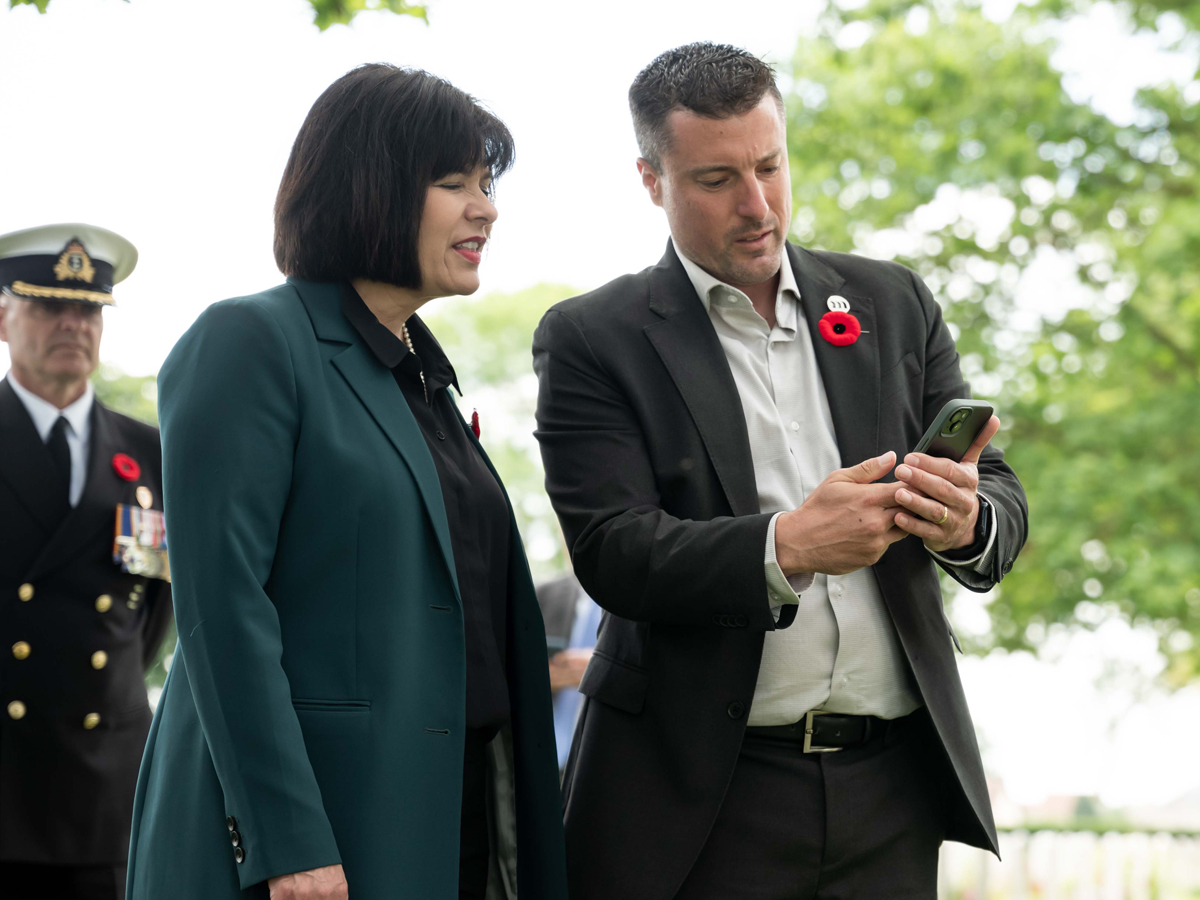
566, 668
325, 883
845, 524
939, 489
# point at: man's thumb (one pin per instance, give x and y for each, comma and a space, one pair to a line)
870, 469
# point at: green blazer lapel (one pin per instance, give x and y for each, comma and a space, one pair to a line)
376, 389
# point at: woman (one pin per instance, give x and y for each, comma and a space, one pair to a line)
361, 657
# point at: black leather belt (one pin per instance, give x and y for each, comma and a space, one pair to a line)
822, 732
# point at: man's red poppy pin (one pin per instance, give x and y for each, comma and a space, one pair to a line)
837, 326
475, 422
126, 466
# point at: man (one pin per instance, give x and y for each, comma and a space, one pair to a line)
773, 708
84, 600
571, 619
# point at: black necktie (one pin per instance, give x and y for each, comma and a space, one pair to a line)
60, 453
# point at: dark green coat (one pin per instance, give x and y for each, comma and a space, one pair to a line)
317, 696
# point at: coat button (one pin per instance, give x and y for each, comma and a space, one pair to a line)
16, 710
103, 603
91, 720
235, 838
736, 710
231, 823
239, 854
99, 659
25, 592
21, 650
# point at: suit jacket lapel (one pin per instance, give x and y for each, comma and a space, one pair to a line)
376, 389
97, 505
24, 463
850, 374
689, 348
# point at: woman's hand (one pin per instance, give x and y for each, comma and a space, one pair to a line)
567, 667
325, 883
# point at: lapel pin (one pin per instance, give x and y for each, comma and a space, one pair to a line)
838, 303
126, 466
838, 326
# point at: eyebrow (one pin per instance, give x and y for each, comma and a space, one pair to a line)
711, 170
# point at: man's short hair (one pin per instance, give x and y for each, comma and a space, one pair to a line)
350, 201
712, 80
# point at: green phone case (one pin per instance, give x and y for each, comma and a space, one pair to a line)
954, 430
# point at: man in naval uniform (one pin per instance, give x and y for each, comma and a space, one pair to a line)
84, 592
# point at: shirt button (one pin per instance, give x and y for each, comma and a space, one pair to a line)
21, 650
835, 591
25, 592
795, 426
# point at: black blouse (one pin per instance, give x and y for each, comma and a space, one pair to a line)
475, 506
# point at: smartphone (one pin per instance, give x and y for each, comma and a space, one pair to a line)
954, 430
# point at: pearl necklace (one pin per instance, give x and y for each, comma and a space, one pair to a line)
408, 343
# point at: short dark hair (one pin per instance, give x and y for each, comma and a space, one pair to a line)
350, 201
713, 80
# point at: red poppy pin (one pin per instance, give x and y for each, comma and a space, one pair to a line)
837, 326
126, 466
475, 422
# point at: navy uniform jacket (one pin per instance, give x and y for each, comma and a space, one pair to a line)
87, 631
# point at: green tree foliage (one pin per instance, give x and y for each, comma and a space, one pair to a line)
325, 12
132, 395
936, 137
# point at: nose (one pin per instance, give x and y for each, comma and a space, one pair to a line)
753, 202
483, 211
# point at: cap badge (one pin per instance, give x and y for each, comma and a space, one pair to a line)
74, 264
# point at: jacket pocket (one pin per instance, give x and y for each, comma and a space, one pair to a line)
614, 683
331, 705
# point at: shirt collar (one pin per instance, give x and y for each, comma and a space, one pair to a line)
45, 414
391, 351
705, 284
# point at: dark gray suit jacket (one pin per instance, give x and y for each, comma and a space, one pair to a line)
648, 465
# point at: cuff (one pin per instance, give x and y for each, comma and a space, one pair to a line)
981, 561
782, 590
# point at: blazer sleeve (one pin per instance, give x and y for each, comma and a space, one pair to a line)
943, 382
634, 558
229, 416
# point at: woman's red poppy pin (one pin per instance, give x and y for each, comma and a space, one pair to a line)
126, 466
837, 326
475, 422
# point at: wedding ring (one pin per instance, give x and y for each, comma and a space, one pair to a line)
945, 515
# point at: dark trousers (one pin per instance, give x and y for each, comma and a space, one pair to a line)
474, 846
35, 881
864, 823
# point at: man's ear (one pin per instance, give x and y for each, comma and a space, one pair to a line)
3, 320
651, 181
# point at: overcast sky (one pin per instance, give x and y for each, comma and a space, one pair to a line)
169, 121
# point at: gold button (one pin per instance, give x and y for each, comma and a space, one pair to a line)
99, 659
132, 604
25, 592
16, 710
91, 720
21, 650
103, 603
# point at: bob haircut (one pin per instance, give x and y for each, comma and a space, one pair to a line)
350, 201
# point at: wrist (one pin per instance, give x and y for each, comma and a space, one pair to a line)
788, 548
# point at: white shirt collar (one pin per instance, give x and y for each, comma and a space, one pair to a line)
705, 284
45, 413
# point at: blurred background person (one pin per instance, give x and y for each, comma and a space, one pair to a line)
361, 653
84, 604
572, 620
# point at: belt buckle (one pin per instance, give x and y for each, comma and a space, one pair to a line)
808, 734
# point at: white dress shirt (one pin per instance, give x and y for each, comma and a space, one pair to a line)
79, 428
842, 653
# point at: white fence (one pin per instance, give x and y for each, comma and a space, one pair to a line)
1074, 865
